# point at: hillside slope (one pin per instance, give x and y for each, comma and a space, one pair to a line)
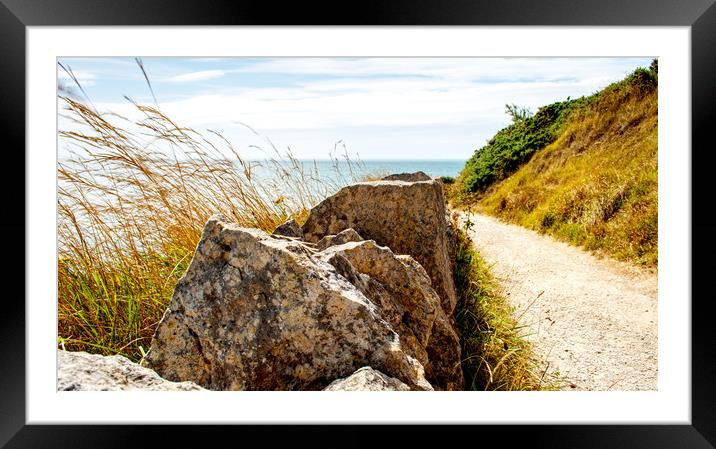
587, 176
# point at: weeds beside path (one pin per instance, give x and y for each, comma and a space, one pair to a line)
593, 321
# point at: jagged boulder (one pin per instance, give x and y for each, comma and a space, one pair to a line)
402, 290
409, 177
345, 236
408, 217
80, 371
254, 312
367, 379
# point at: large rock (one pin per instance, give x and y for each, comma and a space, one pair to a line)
408, 217
367, 379
444, 367
91, 372
402, 290
257, 313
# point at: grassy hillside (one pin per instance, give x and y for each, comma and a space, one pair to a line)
584, 171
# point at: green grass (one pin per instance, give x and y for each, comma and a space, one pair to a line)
595, 184
495, 353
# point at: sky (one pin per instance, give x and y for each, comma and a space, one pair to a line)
377, 108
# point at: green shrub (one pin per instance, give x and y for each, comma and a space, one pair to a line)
513, 146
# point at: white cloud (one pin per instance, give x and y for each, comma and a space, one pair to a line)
84, 77
202, 75
459, 102
467, 69
373, 103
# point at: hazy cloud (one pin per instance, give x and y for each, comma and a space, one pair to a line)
382, 107
197, 76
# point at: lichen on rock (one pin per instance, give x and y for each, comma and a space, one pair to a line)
80, 371
402, 290
367, 379
260, 312
407, 217
289, 229
257, 313
345, 236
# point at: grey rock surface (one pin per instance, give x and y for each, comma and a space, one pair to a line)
399, 288
452, 240
80, 371
367, 379
257, 313
402, 290
345, 236
407, 217
289, 229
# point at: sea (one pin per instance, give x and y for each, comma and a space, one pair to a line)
336, 173
377, 167
321, 178
436, 167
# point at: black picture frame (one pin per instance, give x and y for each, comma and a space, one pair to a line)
16, 15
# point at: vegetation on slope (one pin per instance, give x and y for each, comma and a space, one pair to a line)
588, 177
514, 145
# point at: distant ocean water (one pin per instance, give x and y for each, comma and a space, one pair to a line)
435, 167
335, 174
325, 177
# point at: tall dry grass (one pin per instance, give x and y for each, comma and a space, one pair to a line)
133, 197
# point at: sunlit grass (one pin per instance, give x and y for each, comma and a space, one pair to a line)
131, 208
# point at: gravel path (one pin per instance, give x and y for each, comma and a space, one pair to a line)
593, 321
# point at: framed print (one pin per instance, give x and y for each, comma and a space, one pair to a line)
409, 42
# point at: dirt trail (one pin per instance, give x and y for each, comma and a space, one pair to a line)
593, 321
